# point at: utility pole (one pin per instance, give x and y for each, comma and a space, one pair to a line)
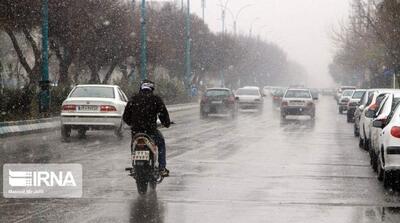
44, 95
143, 42
203, 6
188, 66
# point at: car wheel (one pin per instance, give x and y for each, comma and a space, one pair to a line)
356, 132
361, 143
118, 131
349, 119
366, 144
203, 115
380, 170
82, 133
374, 160
65, 132
387, 179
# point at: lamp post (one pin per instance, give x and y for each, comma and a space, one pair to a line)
188, 66
203, 6
236, 17
44, 94
251, 25
143, 42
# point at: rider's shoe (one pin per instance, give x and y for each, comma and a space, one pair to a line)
164, 172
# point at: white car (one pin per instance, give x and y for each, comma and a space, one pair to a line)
368, 114
387, 106
344, 99
353, 103
388, 157
297, 102
364, 102
250, 98
93, 107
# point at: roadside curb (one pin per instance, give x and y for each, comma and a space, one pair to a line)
42, 125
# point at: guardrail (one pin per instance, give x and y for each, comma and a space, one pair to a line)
47, 124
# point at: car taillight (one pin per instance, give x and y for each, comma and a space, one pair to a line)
204, 99
310, 104
107, 108
395, 131
231, 99
69, 107
284, 104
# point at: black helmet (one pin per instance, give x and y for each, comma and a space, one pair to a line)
147, 85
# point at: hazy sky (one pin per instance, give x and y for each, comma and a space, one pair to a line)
301, 27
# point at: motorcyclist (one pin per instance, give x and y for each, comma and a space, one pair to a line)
141, 114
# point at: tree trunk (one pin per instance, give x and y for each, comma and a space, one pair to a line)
110, 71
94, 74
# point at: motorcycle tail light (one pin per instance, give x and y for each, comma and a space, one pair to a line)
395, 131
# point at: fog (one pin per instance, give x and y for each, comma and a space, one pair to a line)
302, 28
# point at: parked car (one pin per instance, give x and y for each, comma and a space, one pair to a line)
365, 101
250, 98
218, 101
387, 106
353, 103
388, 153
93, 107
368, 114
297, 102
344, 99
340, 90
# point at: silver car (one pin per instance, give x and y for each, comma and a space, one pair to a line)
250, 98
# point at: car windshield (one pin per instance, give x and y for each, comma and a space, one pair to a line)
358, 94
247, 91
347, 93
297, 94
93, 92
216, 93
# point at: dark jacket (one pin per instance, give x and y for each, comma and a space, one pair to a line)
142, 110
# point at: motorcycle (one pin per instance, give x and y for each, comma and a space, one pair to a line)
145, 168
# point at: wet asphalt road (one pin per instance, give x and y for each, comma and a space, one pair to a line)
253, 169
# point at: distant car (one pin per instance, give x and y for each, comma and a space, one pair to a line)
297, 102
340, 90
387, 106
250, 98
344, 99
388, 148
277, 95
218, 101
364, 103
315, 94
353, 103
93, 107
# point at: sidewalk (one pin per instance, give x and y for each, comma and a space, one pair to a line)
47, 124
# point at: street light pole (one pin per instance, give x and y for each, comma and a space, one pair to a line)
188, 66
143, 42
44, 95
251, 26
203, 6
